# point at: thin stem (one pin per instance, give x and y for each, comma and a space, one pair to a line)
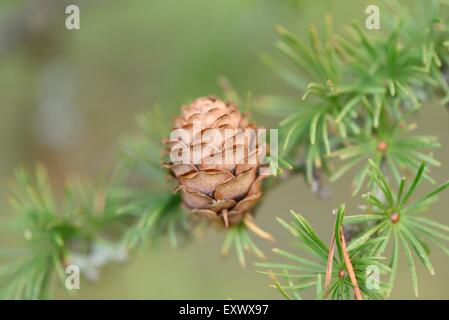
248, 221
348, 263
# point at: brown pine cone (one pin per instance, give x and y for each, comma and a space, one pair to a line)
212, 186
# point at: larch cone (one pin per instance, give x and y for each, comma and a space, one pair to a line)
211, 186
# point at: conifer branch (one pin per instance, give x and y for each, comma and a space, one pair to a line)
357, 97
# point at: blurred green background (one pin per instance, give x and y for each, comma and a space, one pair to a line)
66, 97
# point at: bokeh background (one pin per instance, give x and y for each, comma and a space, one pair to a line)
66, 98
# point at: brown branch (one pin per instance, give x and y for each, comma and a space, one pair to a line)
330, 260
348, 263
